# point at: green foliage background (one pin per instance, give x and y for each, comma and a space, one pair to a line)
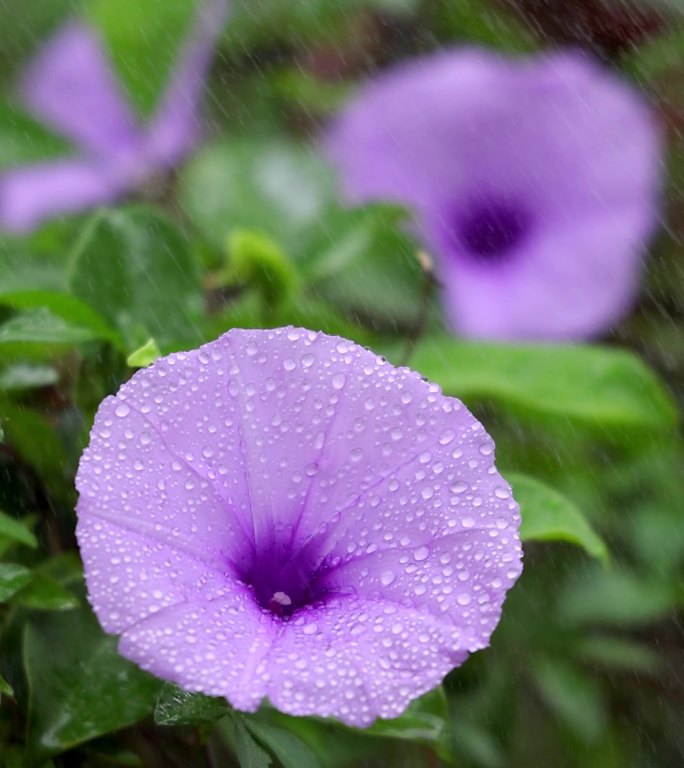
585, 668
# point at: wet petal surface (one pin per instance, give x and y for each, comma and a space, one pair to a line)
295, 492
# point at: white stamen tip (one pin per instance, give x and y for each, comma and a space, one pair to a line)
281, 598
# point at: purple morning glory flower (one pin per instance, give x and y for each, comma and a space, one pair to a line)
282, 514
71, 87
534, 181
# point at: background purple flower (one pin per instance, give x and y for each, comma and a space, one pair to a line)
283, 514
535, 182
71, 87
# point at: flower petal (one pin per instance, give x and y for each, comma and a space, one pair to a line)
176, 124
187, 398
303, 521
554, 141
598, 260
131, 477
71, 86
459, 580
359, 659
33, 194
132, 573
217, 646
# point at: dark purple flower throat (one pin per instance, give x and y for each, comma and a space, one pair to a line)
489, 230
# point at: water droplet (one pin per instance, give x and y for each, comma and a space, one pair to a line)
447, 437
421, 554
387, 577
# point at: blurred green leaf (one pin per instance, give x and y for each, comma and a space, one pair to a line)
145, 355
364, 262
549, 516
28, 376
258, 260
12, 578
37, 443
602, 386
574, 697
136, 268
26, 268
481, 22
41, 326
309, 93
423, 721
144, 38
300, 21
46, 594
290, 751
17, 531
79, 686
274, 187
24, 140
658, 56
249, 753
5, 687
617, 597
68, 308
178, 707
620, 653
476, 743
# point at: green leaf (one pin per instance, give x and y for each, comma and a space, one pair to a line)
178, 707
79, 686
290, 751
144, 38
423, 721
663, 54
481, 23
46, 594
575, 697
145, 355
602, 386
25, 140
617, 597
36, 441
362, 260
28, 376
25, 267
365, 263
136, 268
17, 531
41, 326
276, 188
620, 653
249, 753
299, 21
12, 578
257, 260
68, 308
5, 687
549, 516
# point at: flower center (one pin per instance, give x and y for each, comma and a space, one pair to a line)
490, 229
283, 582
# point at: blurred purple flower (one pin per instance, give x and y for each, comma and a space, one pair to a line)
283, 514
535, 182
70, 86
